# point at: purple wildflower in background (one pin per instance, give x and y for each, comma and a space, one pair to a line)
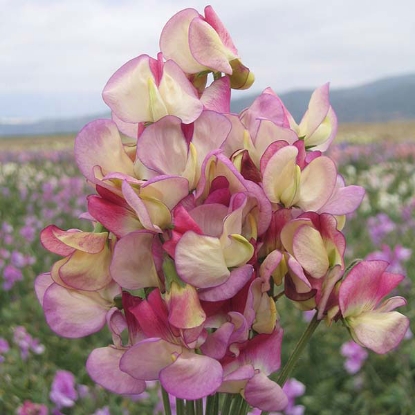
11, 275
18, 259
355, 356
4, 348
31, 408
63, 393
379, 226
26, 342
28, 232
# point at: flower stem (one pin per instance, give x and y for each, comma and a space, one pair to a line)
166, 402
190, 407
180, 407
239, 406
199, 407
226, 406
295, 355
212, 404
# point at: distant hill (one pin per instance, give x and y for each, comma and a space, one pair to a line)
387, 99
47, 126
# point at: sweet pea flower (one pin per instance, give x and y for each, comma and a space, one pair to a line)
146, 89
204, 260
247, 373
201, 43
74, 313
165, 356
289, 180
164, 148
87, 257
103, 364
372, 323
318, 127
315, 251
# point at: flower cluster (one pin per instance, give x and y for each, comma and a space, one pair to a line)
202, 219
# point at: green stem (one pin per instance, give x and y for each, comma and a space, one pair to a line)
217, 75
166, 402
199, 407
278, 296
237, 404
226, 406
180, 407
244, 407
295, 355
216, 404
190, 407
212, 404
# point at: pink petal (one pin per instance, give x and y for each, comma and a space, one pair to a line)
236, 380
179, 95
264, 394
84, 271
72, 313
344, 200
310, 251
207, 48
148, 357
217, 96
162, 147
216, 343
126, 92
365, 286
209, 218
318, 108
168, 189
99, 144
267, 106
174, 41
264, 351
210, 131
380, 332
192, 376
42, 283
136, 203
237, 280
133, 265
212, 18
200, 261
129, 129
185, 311
317, 183
119, 219
103, 367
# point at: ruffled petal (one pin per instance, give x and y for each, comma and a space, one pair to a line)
103, 366
264, 394
192, 376
133, 265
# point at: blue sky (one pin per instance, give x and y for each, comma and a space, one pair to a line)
56, 56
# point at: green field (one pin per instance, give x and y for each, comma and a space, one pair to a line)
40, 185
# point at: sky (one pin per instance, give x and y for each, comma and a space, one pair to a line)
57, 55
